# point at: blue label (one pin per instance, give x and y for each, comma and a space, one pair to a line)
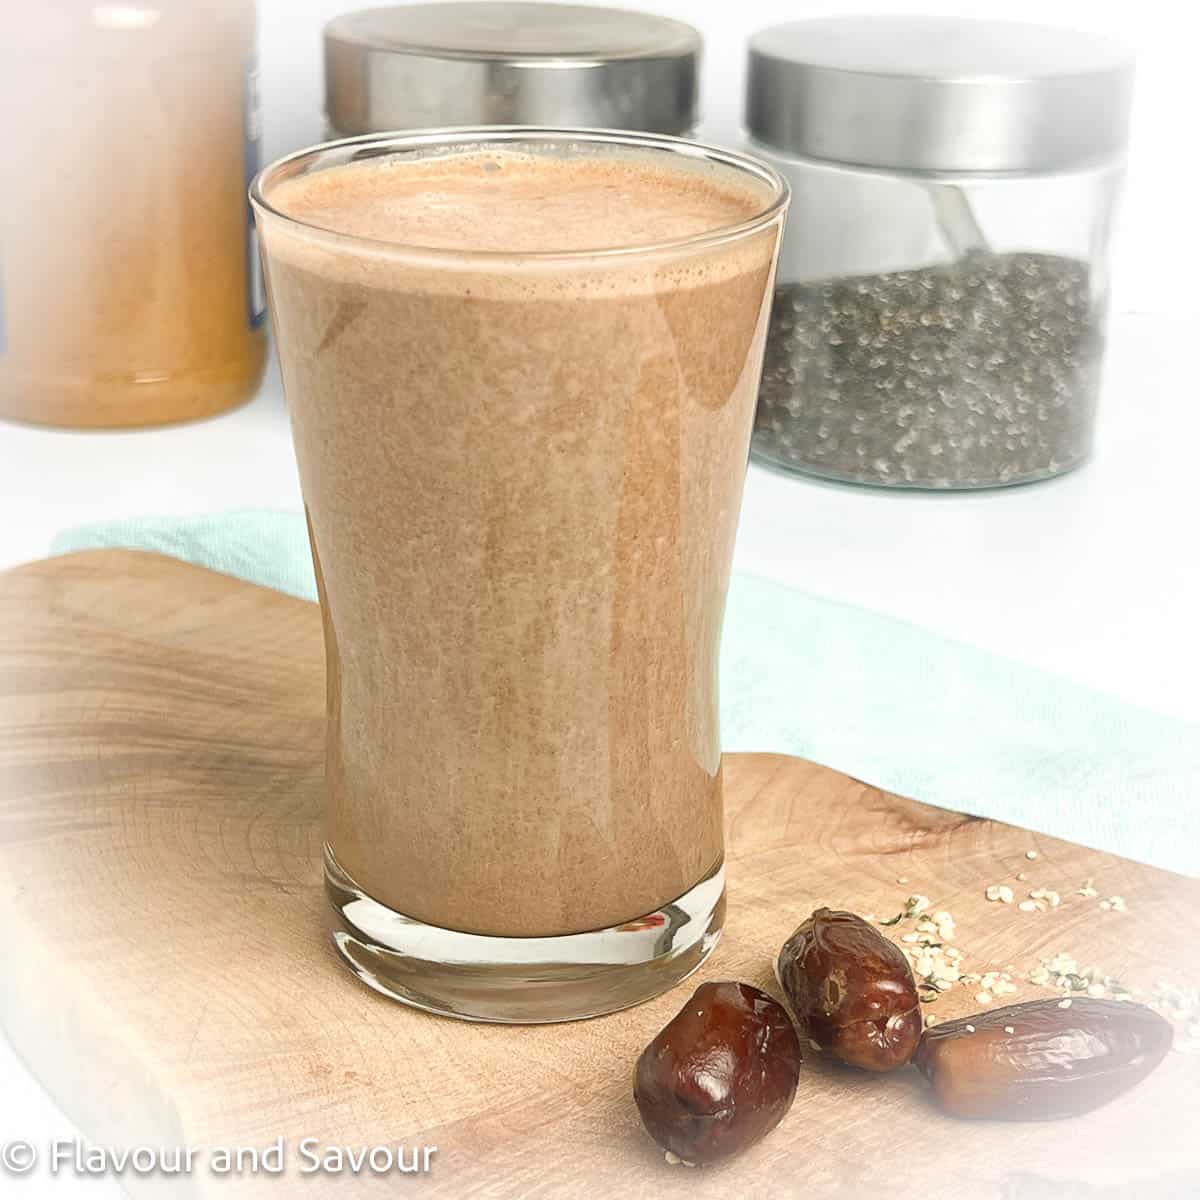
256, 295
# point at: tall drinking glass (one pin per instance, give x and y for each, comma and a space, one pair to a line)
522, 366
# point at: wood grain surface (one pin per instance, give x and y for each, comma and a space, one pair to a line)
166, 971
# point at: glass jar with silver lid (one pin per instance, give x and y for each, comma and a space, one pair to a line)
943, 284
495, 63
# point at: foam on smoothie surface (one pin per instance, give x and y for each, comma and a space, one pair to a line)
509, 200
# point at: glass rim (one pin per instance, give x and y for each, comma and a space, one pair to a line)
363, 147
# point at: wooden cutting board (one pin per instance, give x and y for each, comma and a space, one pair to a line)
167, 974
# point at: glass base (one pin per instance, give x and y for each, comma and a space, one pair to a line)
523, 981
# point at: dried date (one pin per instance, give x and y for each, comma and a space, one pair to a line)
853, 989
1042, 1060
721, 1075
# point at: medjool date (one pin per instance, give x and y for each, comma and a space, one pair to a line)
853, 989
721, 1075
1042, 1060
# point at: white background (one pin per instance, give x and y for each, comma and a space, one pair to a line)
1094, 576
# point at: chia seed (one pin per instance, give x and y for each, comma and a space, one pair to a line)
977, 373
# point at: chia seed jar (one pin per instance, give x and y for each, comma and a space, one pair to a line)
940, 306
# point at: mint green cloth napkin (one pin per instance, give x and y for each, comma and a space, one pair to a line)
882, 700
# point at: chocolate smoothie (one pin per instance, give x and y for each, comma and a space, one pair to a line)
522, 460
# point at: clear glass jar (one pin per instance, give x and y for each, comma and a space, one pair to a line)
130, 291
508, 62
934, 327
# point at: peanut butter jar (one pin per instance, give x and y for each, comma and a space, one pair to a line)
130, 292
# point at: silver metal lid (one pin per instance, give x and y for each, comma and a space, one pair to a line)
939, 93
429, 65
